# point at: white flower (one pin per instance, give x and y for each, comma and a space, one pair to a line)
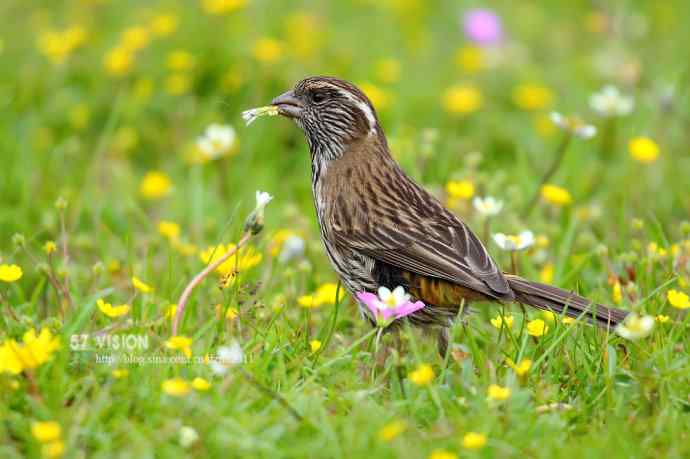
513, 243
217, 141
250, 115
635, 326
227, 356
393, 299
488, 206
610, 102
293, 247
187, 436
574, 125
262, 198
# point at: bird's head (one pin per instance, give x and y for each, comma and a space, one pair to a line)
332, 113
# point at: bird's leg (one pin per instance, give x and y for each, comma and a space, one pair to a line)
442, 341
397, 361
524, 311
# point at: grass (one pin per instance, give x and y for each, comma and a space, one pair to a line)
72, 131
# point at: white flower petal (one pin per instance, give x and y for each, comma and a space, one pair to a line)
558, 119
384, 294
262, 198
586, 131
231, 355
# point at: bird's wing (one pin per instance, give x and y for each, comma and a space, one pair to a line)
443, 248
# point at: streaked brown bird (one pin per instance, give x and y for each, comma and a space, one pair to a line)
382, 229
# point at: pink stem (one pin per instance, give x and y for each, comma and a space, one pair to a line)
199, 277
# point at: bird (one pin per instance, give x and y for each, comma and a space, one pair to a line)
382, 229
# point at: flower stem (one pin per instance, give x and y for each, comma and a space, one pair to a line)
486, 229
558, 159
201, 276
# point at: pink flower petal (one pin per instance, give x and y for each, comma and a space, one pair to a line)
408, 308
370, 300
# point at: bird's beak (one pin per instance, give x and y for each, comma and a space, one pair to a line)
289, 105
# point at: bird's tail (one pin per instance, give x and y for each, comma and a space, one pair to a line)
559, 301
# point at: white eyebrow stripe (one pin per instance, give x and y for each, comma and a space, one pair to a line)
371, 119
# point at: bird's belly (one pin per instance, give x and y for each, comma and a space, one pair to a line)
355, 270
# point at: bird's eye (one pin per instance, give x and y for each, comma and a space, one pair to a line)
318, 97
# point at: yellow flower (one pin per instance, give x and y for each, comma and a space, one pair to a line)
46, 431
462, 99
532, 97
392, 430
617, 293
10, 273
498, 393
180, 343
388, 70
279, 239
31, 353
120, 373
470, 58
180, 61
164, 24
54, 449
169, 229
473, 440
315, 345
241, 261
171, 311
643, 149
112, 311
177, 387
325, 294
442, 454
678, 299
58, 45
568, 321
231, 313
522, 368
135, 38
140, 285
537, 327
549, 316
662, 319
556, 195
222, 6
379, 98
304, 34
184, 248
460, 190
546, 273
422, 375
155, 185
118, 61
502, 321
201, 384
655, 251
267, 50
177, 84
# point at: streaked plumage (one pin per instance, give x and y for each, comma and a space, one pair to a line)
380, 228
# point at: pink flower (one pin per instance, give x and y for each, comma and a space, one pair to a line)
482, 26
388, 305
